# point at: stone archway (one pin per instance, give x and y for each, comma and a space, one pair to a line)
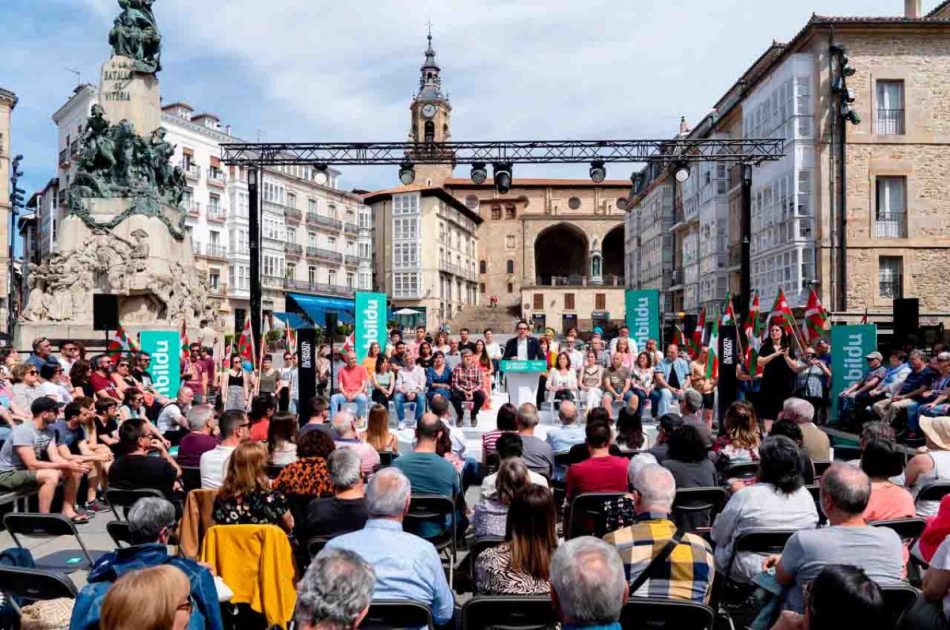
560, 251
612, 249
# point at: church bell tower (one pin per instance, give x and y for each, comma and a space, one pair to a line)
431, 119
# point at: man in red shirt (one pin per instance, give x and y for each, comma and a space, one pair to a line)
354, 387
602, 472
100, 381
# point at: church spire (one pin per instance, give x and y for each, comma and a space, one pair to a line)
430, 80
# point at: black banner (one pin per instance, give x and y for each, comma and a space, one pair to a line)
729, 358
306, 372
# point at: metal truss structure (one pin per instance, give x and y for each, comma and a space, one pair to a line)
737, 151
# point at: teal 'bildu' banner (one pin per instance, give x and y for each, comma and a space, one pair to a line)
643, 315
164, 347
849, 346
370, 322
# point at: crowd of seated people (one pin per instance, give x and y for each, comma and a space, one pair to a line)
321, 475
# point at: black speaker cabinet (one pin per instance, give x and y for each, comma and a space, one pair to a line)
105, 311
906, 319
239, 315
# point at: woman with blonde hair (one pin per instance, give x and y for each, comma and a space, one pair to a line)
246, 496
741, 439
167, 606
377, 432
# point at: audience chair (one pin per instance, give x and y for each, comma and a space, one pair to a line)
385, 614
316, 544
119, 533
117, 498
435, 508
35, 584
492, 462
51, 526
909, 530
763, 541
741, 470
898, 598
475, 549
583, 508
933, 492
820, 467
190, 478
815, 492
273, 471
694, 503
510, 612
847, 453
642, 613
385, 458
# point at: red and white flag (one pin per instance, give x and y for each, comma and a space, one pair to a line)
120, 344
246, 342
816, 322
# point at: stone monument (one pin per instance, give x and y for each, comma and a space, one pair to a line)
125, 231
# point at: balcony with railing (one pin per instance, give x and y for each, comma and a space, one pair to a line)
292, 215
891, 286
275, 282
216, 214
351, 260
325, 254
191, 170
293, 249
219, 291
318, 219
574, 280
890, 225
211, 250
216, 177
351, 228
193, 209
890, 122
65, 158
316, 287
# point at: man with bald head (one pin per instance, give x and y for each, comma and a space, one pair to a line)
687, 573
429, 472
570, 433
845, 491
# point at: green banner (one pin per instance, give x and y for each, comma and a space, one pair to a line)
370, 322
849, 346
164, 347
643, 315
524, 366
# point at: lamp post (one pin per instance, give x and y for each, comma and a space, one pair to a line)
254, 246
16, 202
745, 234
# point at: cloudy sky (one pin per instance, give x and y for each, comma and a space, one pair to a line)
315, 70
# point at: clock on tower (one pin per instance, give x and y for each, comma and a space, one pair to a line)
431, 113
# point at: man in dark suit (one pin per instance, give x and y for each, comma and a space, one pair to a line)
523, 346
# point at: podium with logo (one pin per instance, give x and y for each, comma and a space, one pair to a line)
521, 378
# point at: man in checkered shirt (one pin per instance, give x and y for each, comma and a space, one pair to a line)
687, 573
467, 383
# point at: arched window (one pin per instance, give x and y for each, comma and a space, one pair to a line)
510, 266
430, 131
482, 266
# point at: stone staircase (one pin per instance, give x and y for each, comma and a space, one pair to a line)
478, 318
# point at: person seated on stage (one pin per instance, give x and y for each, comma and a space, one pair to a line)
438, 379
523, 347
410, 387
383, 380
616, 382
398, 357
672, 379
467, 386
354, 387
453, 358
562, 379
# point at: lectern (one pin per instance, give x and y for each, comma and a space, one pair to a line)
522, 379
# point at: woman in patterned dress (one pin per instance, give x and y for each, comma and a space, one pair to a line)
235, 383
521, 564
246, 496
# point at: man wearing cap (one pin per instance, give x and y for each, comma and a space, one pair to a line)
935, 403
874, 374
21, 466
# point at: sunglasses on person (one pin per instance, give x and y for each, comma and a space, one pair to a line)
32, 372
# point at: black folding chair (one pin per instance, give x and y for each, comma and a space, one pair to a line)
763, 541
642, 613
386, 458
117, 497
584, 509
898, 598
427, 509
119, 533
35, 584
316, 544
475, 549
815, 491
909, 530
695, 505
933, 492
847, 453
509, 612
190, 478
387, 614
492, 462
51, 526
273, 471
820, 467
741, 470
